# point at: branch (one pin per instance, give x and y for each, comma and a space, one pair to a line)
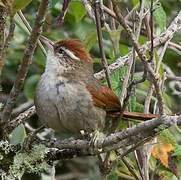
29, 51
88, 9
8, 38
162, 38
21, 118
70, 148
97, 9
30, 30
60, 18
3, 16
111, 142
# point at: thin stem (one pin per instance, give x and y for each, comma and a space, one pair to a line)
28, 54
154, 76
151, 28
21, 15
8, 38
3, 16
99, 32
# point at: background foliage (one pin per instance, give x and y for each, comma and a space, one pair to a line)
78, 25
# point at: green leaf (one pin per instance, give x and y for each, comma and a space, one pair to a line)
124, 50
139, 107
77, 10
132, 103
111, 53
123, 71
161, 67
152, 163
113, 177
18, 135
167, 99
142, 40
19, 4
176, 131
167, 137
137, 77
160, 16
90, 40
177, 151
30, 86
115, 35
135, 2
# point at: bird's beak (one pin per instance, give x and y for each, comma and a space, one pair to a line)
48, 42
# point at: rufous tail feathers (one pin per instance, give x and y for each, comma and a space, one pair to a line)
131, 115
139, 116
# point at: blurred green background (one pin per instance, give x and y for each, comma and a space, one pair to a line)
78, 25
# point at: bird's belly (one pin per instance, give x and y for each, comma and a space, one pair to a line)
72, 108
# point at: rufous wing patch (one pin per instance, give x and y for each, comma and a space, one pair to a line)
105, 98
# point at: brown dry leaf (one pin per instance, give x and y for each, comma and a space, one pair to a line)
161, 151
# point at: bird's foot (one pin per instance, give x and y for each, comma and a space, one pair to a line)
95, 137
85, 135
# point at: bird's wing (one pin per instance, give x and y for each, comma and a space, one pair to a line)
105, 98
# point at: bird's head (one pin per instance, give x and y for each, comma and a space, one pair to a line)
66, 54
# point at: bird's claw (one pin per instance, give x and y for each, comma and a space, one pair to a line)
95, 137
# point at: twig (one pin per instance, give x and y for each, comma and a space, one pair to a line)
123, 154
60, 18
21, 118
129, 165
22, 107
142, 56
138, 163
125, 83
155, 171
132, 63
151, 86
134, 54
149, 9
115, 43
112, 14
176, 78
30, 48
99, 32
21, 15
178, 47
8, 38
161, 56
138, 31
91, 13
116, 140
3, 16
109, 11
151, 28
162, 38
70, 148
33, 130
112, 20
88, 9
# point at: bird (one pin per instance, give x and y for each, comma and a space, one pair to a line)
68, 98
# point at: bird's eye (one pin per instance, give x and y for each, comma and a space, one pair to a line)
61, 51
